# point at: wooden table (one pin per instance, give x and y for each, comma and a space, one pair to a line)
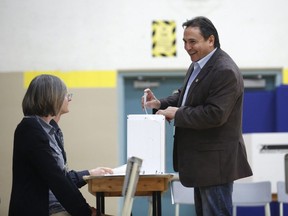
111, 186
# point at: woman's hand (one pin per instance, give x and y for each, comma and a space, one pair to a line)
100, 171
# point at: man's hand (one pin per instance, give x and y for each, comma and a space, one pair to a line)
169, 113
151, 100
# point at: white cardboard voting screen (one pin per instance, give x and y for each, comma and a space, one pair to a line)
146, 140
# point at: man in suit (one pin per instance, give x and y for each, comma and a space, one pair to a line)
209, 151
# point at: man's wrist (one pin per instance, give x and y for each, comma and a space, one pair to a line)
158, 104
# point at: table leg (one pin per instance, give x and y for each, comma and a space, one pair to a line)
156, 200
159, 207
100, 203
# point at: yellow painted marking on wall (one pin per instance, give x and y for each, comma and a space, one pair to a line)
285, 76
78, 79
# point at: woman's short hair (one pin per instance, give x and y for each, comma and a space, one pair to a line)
44, 96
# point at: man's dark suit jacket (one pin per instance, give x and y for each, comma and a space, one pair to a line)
208, 143
35, 171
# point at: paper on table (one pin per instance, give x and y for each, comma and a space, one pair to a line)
121, 170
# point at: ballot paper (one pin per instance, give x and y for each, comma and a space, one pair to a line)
121, 170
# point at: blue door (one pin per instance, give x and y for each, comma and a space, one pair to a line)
162, 86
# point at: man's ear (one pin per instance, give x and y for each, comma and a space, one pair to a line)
211, 40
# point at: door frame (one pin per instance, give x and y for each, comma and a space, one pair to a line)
122, 75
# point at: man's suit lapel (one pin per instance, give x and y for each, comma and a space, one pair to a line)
204, 72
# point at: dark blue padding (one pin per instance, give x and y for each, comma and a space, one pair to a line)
259, 111
282, 108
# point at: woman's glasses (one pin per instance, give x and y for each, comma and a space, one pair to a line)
69, 96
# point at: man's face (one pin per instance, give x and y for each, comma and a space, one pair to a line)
195, 44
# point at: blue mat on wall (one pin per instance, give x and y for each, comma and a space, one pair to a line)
281, 108
259, 111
